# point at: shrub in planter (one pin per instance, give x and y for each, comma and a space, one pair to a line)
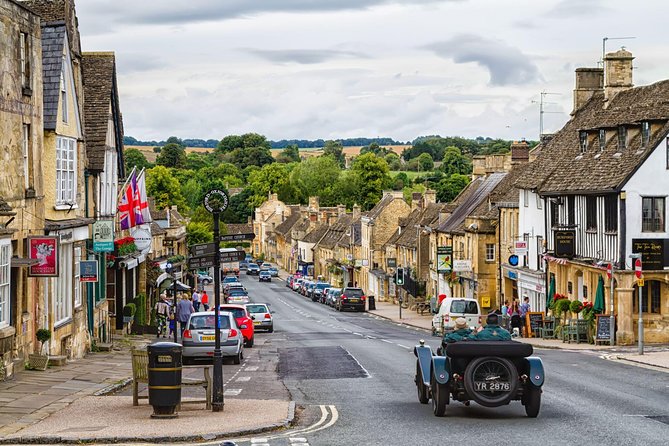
140, 309
575, 306
129, 312
40, 361
43, 335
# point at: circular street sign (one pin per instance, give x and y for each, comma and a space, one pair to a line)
609, 270
637, 268
168, 265
513, 260
216, 200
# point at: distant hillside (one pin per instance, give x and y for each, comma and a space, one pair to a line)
301, 143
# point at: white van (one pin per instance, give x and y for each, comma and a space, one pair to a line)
452, 308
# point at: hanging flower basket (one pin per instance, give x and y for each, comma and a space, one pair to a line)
125, 246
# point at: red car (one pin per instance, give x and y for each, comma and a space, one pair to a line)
244, 321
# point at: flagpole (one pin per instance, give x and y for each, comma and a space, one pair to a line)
118, 195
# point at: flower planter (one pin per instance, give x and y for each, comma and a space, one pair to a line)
38, 362
128, 319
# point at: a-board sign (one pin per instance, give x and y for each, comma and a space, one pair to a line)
533, 321
603, 326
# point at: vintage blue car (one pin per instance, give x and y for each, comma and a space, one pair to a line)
491, 373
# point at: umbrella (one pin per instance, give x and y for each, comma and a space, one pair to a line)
598, 305
551, 293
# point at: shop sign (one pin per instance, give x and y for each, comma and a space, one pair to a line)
460, 266
653, 252
142, 239
391, 263
45, 250
565, 244
444, 259
512, 275
103, 236
520, 247
88, 271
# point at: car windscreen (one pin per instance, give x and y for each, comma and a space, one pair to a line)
257, 309
207, 322
353, 292
237, 292
464, 307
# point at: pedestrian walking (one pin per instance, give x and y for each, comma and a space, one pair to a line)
524, 309
184, 310
173, 323
196, 300
162, 313
205, 300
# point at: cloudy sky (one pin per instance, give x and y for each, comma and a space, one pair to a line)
307, 69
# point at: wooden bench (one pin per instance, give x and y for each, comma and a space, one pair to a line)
422, 307
140, 374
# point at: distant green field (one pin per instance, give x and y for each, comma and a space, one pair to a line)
411, 175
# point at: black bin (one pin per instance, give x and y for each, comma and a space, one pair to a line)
371, 303
164, 378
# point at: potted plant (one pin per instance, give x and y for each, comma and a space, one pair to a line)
129, 313
39, 361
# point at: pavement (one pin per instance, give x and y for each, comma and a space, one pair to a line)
80, 401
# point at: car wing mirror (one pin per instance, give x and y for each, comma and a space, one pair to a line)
253, 317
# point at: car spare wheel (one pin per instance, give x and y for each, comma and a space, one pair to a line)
491, 381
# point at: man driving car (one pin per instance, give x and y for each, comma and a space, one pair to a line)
492, 331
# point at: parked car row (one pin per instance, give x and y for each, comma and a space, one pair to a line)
238, 321
339, 298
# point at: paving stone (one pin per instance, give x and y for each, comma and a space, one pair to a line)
33, 401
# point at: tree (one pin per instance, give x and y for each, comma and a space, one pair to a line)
449, 188
252, 156
425, 162
375, 149
270, 179
314, 175
372, 178
175, 140
172, 155
164, 188
455, 162
335, 150
135, 158
198, 233
230, 143
393, 160
290, 154
197, 161
400, 181
239, 209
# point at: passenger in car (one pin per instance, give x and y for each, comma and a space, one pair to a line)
461, 333
492, 331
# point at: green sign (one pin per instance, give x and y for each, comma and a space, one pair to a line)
103, 236
444, 259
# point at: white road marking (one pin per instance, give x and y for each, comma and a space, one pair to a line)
259, 440
358, 334
297, 440
244, 378
232, 392
358, 362
403, 346
386, 341
252, 368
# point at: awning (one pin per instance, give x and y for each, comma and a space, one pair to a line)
167, 285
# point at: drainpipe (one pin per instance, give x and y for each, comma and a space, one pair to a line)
546, 228
499, 258
89, 247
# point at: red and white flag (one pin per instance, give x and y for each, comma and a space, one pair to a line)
126, 205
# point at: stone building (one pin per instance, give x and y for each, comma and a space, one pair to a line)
21, 192
602, 182
267, 217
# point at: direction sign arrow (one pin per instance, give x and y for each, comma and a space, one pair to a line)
235, 237
202, 249
232, 256
201, 262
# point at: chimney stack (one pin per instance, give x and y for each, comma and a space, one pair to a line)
520, 152
313, 203
588, 82
416, 200
618, 67
356, 212
429, 197
341, 210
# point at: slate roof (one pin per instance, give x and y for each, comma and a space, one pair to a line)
285, 227
56, 225
474, 194
239, 228
5, 209
380, 206
53, 39
99, 72
336, 231
561, 168
156, 229
316, 234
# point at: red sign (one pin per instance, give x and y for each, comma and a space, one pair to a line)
45, 250
637, 268
609, 271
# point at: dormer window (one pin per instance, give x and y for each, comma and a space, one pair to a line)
583, 141
602, 139
622, 137
645, 133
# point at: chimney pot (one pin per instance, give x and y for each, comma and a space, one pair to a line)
588, 82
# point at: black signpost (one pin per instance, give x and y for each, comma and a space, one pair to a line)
237, 237
216, 201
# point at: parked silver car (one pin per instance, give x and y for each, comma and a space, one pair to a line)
262, 317
331, 296
200, 334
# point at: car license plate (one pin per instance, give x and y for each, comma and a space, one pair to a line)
209, 338
492, 386
353, 300
256, 323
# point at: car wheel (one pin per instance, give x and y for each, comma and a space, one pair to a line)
440, 397
270, 329
423, 394
491, 370
249, 343
237, 359
532, 400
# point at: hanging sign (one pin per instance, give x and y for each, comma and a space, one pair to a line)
88, 271
216, 200
520, 247
103, 236
444, 259
45, 250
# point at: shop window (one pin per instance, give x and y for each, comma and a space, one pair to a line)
650, 299
591, 213
611, 213
571, 211
570, 287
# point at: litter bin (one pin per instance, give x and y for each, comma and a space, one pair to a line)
164, 378
372, 302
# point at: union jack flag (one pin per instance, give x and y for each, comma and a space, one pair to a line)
129, 206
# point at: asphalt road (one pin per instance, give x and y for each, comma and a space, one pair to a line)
353, 376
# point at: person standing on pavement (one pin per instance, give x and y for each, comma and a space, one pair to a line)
196, 300
205, 299
162, 313
184, 310
524, 309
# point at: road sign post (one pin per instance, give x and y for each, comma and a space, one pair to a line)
638, 272
216, 201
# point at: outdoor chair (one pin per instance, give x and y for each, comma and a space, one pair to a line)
578, 331
548, 328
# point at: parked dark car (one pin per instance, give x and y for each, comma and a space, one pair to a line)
491, 373
253, 269
317, 292
353, 298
